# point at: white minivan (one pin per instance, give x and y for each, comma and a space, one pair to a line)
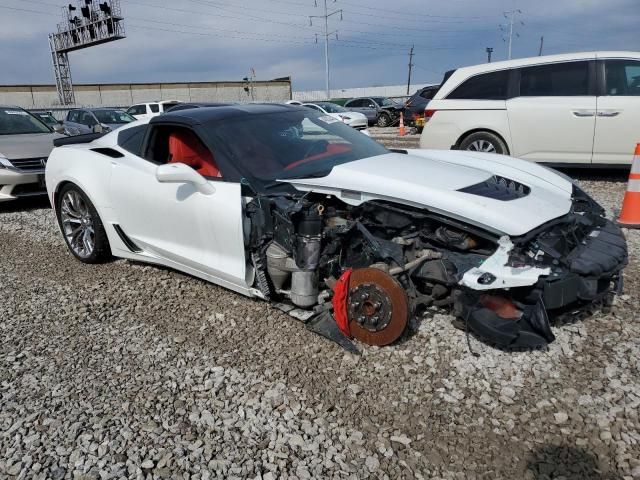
581, 108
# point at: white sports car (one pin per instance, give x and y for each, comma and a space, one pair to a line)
335, 229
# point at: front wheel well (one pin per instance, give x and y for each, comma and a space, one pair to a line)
456, 146
57, 191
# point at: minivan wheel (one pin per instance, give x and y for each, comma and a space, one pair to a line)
384, 120
484, 142
81, 226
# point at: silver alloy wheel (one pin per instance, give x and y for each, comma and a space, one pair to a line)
482, 146
77, 224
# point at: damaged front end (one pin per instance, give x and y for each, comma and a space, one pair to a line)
362, 271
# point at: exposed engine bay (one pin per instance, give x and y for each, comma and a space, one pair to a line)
363, 271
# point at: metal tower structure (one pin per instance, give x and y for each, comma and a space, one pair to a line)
84, 25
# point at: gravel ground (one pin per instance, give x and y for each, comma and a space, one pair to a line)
131, 371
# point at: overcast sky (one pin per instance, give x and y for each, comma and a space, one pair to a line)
198, 40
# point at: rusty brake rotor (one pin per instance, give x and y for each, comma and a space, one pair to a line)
377, 305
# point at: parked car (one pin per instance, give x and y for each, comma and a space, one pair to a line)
51, 121
381, 111
187, 106
339, 231
151, 109
25, 144
415, 106
87, 120
353, 119
581, 108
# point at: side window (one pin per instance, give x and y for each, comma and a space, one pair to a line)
170, 144
73, 116
486, 86
313, 107
88, 119
428, 94
622, 78
136, 110
353, 104
557, 80
131, 139
155, 108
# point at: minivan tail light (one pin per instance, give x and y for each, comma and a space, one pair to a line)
428, 113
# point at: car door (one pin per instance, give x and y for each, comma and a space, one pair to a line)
364, 106
88, 121
618, 111
71, 124
552, 114
174, 222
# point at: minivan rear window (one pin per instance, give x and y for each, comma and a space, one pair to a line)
487, 86
555, 80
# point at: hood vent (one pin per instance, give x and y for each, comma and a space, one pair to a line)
498, 188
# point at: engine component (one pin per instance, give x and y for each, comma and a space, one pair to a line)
423, 257
262, 279
304, 288
304, 283
455, 239
378, 307
279, 265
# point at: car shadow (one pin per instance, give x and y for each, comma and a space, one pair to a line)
25, 204
597, 174
560, 461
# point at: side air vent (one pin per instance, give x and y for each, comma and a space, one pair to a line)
126, 240
498, 188
109, 152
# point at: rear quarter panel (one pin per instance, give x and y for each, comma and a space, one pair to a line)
455, 118
88, 170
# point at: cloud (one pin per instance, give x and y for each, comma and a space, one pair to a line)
192, 40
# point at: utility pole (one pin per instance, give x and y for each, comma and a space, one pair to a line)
541, 45
511, 16
489, 51
325, 17
410, 68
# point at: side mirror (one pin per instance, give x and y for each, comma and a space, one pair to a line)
97, 128
58, 128
181, 173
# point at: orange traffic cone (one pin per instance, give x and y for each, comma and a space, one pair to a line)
402, 130
630, 214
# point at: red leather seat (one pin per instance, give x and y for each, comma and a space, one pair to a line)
185, 147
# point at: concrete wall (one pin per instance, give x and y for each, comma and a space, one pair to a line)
121, 95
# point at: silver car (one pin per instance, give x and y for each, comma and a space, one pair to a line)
25, 145
89, 120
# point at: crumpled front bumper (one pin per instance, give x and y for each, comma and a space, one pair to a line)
588, 277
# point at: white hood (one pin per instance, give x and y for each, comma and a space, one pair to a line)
431, 179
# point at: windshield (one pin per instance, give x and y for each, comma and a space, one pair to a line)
15, 121
385, 102
48, 119
332, 107
292, 144
113, 116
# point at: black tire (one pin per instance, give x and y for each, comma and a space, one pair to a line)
384, 120
484, 142
75, 212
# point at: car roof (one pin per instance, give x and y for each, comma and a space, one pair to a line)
463, 73
198, 116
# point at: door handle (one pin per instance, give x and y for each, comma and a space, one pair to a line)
609, 113
584, 113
